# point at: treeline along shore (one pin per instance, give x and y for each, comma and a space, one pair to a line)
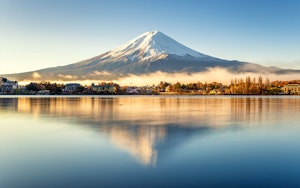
237, 86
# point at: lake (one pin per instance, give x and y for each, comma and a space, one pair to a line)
149, 141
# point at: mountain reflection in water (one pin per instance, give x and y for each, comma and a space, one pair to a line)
141, 125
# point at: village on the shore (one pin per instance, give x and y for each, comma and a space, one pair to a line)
247, 86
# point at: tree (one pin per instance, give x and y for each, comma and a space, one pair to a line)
4, 79
177, 86
33, 87
260, 85
267, 83
162, 85
248, 85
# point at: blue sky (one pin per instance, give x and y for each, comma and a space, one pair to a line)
38, 34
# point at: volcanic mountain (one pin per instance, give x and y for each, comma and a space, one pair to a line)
150, 52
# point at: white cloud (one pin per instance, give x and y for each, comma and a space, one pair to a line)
36, 75
67, 77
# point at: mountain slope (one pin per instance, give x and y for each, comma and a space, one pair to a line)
150, 52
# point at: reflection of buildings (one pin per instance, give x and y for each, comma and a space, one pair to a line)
10, 104
146, 126
7, 86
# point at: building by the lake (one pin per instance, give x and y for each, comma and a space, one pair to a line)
291, 89
104, 88
71, 87
7, 86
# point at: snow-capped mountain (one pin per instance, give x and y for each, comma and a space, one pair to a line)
150, 52
148, 47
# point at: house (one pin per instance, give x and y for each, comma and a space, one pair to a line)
104, 88
132, 90
71, 87
147, 90
291, 89
7, 86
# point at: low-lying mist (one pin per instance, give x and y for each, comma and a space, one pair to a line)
220, 75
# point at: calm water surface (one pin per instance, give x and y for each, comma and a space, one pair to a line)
133, 141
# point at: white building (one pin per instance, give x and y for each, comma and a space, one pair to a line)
7, 86
133, 90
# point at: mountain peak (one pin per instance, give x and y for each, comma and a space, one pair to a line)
152, 32
152, 45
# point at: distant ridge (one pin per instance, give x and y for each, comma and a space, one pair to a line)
148, 53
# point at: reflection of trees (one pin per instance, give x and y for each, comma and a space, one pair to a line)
252, 110
246, 109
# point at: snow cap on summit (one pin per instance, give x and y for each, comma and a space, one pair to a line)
151, 45
153, 32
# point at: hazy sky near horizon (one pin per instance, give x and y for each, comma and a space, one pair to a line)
38, 34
